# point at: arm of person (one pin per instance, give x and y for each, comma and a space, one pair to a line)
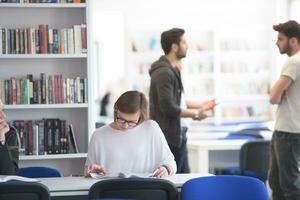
4, 128
9, 152
91, 166
280, 89
203, 110
12, 142
194, 114
207, 105
167, 165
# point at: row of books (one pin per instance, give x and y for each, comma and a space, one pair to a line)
42, 1
45, 136
44, 40
52, 90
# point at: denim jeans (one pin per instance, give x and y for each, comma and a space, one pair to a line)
284, 174
181, 154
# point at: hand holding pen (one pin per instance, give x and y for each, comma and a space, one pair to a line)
161, 172
94, 169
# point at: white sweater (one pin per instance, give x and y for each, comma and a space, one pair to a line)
138, 150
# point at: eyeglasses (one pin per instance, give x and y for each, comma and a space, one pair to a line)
122, 121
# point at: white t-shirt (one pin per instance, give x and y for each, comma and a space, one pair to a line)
288, 111
138, 150
183, 105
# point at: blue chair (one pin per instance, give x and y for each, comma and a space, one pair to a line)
16, 190
38, 172
254, 160
224, 188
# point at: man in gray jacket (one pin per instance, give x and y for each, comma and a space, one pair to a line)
167, 105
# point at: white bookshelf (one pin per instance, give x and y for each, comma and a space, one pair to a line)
232, 65
46, 106
69, 65
54, 156
43, 5
41, 56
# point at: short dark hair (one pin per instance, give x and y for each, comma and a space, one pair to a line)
170, 37
290, 29
132, 102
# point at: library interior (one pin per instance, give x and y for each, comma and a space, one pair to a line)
112, 99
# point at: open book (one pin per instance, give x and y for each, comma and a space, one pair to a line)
119, 175
17, 178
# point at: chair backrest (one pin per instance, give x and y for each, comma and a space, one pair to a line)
254, 158
16, 190
224, 188
38, 172
134, 188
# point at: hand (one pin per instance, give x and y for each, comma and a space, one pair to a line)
202, 114
208, 105
160, 172
94, 169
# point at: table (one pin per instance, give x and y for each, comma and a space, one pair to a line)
199, 151
79, 186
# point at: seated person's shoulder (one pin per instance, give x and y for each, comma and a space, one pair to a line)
151, 124
102, 130
11, 137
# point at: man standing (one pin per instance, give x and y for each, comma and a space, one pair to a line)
167, 104
284, 174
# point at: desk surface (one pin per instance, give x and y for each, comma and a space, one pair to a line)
69, 186
216, 144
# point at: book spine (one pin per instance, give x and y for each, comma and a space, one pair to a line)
41, 137
83, 38
57, 136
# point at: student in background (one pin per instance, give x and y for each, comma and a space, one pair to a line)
284, 174
103, 104
9, 151
167, 102
131, 143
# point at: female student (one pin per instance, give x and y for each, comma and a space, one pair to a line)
130, 144
9, 153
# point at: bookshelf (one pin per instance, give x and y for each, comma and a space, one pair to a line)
58, 16
231, 65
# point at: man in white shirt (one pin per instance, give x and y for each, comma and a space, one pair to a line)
284, 174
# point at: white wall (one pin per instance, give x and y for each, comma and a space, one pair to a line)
156, 15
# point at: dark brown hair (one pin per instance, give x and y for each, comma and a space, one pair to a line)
132, 102
290, 29
170, 37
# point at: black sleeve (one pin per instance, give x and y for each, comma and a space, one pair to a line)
166, 98
9, 154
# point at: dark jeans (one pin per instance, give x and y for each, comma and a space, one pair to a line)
284, 174
181, 154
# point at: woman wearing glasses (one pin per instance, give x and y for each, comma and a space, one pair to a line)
130, 144
9, 153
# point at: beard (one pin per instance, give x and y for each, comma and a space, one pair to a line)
180, 54
285, 49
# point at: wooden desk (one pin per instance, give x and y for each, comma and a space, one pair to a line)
79, 186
